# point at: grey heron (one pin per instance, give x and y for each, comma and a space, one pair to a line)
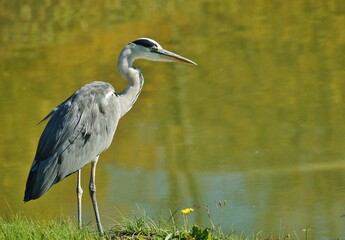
83, 126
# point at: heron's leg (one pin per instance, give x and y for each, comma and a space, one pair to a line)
79, 195
93, 194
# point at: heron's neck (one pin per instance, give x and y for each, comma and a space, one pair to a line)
135, 82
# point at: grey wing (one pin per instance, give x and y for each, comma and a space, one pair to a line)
78, 130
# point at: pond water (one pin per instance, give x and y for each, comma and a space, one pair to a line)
259, 123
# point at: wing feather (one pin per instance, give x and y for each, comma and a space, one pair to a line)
78, 130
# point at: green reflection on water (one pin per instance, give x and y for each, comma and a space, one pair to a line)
259, 122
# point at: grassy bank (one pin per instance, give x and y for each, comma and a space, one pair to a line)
143, 227
20, 227
140, 227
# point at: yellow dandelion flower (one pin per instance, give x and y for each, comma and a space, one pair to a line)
187, 210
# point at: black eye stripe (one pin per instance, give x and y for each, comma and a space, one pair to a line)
145, 43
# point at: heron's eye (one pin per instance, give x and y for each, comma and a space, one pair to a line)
153, 48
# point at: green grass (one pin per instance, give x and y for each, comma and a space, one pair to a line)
20, 227
140, 227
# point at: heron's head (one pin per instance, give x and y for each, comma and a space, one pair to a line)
145, 48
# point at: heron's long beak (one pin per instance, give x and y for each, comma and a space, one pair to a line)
172, 57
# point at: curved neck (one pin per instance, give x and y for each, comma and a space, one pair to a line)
135, 80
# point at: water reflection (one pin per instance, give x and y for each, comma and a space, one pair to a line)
258, 123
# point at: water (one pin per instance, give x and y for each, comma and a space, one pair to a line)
258, 123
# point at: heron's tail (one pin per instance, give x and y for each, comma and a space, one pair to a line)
43, 175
